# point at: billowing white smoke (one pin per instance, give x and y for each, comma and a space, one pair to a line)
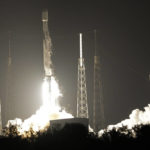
50, 110
137, 117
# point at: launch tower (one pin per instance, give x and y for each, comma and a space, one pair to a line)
82, 105
8, 103
0, 118
98, 107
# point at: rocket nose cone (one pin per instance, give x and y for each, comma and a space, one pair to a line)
45, 15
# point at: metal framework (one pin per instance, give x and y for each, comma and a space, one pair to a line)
82, 105
98, 107
0, 118
7, 104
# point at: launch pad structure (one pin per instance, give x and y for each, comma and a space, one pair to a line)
0, 118
7, 104
82, 104
60, 123
98, 106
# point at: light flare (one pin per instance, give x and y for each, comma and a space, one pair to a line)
50, 110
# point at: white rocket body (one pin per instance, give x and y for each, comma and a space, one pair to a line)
47, 46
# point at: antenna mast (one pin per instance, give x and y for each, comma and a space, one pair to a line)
82, 105
98, 107
7, 105
0, 118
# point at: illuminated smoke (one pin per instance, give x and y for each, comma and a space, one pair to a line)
50, 110
137, 117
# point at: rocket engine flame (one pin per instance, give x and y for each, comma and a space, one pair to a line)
50, 110
137, 117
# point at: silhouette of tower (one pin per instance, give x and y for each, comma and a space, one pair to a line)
98, 107
0, 118
82, 106
8, 107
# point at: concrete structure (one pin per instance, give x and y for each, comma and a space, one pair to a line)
61, 123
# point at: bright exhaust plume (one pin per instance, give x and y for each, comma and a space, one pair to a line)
50, 110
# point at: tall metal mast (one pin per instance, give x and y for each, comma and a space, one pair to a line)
82, 105
0, 118
8, 107
98, 107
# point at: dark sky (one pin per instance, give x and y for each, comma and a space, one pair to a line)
123, 43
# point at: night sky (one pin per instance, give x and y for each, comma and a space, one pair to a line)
123, 29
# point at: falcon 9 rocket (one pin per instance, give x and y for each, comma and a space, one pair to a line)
47, 50
47, 46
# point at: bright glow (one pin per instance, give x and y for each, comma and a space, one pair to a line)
50, 110
80, 45
81, 55
50, 93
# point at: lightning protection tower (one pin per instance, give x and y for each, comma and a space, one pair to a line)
98, 107
0, 118
7, 105
82, 106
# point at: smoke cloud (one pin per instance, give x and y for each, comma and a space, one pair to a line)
40, 121
137, 117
